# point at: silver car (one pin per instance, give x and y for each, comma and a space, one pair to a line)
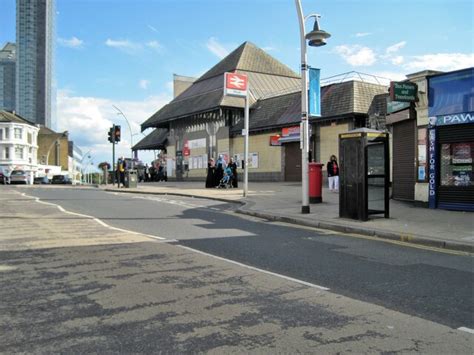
19, 177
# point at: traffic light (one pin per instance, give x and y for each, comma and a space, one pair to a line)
111, 135
117, 133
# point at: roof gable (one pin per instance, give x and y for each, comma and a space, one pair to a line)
248, 57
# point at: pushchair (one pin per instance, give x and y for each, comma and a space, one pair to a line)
226, 181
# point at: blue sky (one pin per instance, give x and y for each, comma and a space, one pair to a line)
124, 52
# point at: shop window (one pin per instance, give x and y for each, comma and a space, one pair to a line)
422, 153
456, 164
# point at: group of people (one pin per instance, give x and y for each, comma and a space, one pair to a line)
221, 174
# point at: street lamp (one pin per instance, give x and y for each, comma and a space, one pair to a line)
316, 38
129, 128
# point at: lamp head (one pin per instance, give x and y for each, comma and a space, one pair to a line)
317, 37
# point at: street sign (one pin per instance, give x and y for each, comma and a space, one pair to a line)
235, 84
403, 91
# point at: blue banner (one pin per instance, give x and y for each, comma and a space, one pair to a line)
314, 95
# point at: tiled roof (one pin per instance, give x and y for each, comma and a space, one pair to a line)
248, 57
6, 116
337, 100
206, 93
155, 140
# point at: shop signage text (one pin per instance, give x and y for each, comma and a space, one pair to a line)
432, 168
290, 131
235, 84
458, 118
403, 91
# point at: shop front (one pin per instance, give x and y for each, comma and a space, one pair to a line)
451, 140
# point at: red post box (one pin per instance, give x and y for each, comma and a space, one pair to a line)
315, 173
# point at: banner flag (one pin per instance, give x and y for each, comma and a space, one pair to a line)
314, 95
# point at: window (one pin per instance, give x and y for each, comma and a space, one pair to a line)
456, 164
18, 133
7, 153
7, 133
1, 134
30, 138
18, 152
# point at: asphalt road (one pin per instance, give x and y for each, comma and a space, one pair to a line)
433, 285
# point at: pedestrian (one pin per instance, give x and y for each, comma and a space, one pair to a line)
211, 172
121, 166
220, 166
333, 174
233, 167
147, 173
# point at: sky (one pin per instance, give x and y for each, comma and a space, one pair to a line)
125, 52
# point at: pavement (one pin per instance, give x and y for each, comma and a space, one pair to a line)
281, 201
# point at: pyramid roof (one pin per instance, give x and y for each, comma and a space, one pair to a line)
267, 77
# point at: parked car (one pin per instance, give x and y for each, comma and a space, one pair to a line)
4, 179
19, 177
41, 180
61, 179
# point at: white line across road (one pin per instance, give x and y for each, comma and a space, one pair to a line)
309, 284
468, 330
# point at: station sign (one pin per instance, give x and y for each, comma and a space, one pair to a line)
235, 84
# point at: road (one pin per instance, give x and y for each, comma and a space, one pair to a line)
427, 284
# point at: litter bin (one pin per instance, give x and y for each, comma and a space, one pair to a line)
131, 178
315, 182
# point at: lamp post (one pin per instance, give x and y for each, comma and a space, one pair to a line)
129, 128
316, 38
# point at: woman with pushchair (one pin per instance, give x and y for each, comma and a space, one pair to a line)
226, 181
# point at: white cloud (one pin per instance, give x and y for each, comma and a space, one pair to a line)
73, 42
155, 45
217, 48
395, 47
123, 45
397, 60
143, 84
88, 120
356, 55
441, 61
362, 34
130, 47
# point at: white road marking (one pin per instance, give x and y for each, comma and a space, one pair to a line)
468, 330
256, 269
102, 223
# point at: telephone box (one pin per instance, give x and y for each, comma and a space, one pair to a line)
364, 174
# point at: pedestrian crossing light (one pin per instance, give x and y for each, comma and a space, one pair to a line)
111, 135
117, 134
